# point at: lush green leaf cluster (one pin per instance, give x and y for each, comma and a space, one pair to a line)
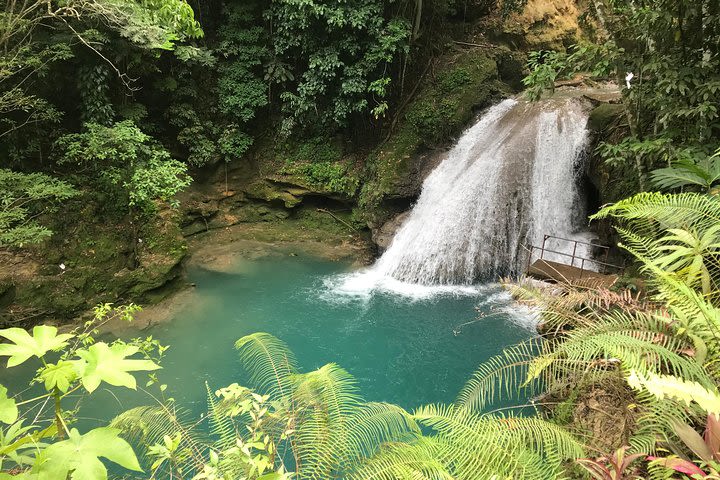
340, 52
23, 198
37, 440
126, 162
665, 56
314, 425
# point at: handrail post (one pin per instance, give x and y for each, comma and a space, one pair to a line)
607, 254
572, 260
602, 266
529, 262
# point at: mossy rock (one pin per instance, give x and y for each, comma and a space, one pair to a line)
317, 163
512, 66
96, 257
612, 181
602, 116
466, 82
255, 212
50, 295
269, 192
540, 25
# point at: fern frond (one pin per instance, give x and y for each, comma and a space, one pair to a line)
532, 432
502, 374
696, 313
418, 460
480, 446
269, 361
657, 419
145, 426
648, 211
642, 351
324, 401
377, 423
669, 386
220, 424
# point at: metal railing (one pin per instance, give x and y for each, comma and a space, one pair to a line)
604, 266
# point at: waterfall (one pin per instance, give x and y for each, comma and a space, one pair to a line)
510, 179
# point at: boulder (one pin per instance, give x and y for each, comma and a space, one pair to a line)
382, 237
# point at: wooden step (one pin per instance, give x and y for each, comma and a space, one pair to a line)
561, 273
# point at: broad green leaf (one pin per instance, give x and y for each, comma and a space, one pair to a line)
104, 363
23, 346
8, 409
79, 456
693, 440
58, 375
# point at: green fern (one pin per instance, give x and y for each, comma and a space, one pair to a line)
466, 445
220, 423
374, 424
324, 400
647, 213
269, 361
417, 460
640, 341
146, 426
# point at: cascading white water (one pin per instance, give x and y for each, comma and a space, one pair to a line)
510, 179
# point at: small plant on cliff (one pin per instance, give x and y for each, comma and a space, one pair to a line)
617, 466
705, 448
37, 437
23, 199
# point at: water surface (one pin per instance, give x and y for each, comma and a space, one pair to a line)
401, 349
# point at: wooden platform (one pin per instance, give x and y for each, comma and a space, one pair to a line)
561, 273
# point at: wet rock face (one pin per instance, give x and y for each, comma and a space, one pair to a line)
382, 237
7, 293
410, 185
611, 181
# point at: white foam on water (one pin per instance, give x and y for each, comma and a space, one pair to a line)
363, 284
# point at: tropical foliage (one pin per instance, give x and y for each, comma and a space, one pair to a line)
127, 164
664, 55
115, 101
315, 425
702, 173
23, 198
37, 438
